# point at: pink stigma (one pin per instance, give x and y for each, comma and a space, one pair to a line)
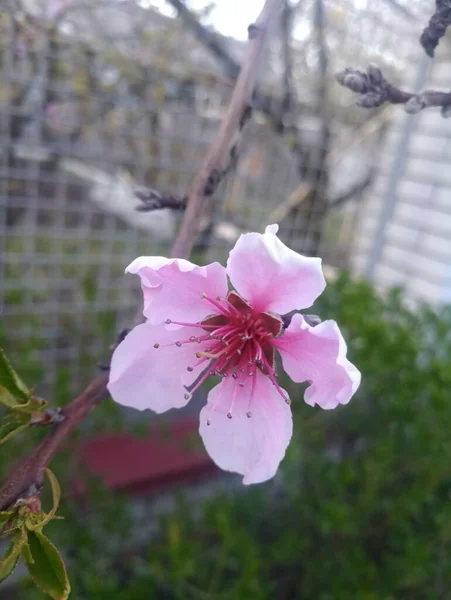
239, 344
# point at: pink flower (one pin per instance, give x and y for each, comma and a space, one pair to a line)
196, 327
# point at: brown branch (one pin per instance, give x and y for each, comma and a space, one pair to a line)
269, 105
215, 161
375, 90
31, 469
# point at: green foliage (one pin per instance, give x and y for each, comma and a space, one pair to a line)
12, 555
361, 507
46, 566
10, 381
11, 426
23, 408
23, 525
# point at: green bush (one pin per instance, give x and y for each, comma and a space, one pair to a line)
361, 507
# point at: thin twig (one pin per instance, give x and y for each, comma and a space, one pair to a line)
372, 125
335, 156
209, 38
31, 469
375, 90
152, 199
286, 26
215, 161
400, 8
269, 105
437, 26
299, 195
351, 192
315, 169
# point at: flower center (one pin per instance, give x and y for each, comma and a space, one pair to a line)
239, 343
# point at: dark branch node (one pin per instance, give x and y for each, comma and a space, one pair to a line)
375, 90
51, 416
312, 320
372, 86
119, 338
154, 200
253, 30
247, 113
54, 415
437, 26
123, 334
212, 182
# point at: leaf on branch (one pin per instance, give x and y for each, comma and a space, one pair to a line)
23, 416
6, 399
46, 566
9, 562
11, 427
56, 496
5, 516
34, 407
11, 381
15, 396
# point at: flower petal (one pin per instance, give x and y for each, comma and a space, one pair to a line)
172, 288
271, 276
251, 446
143, 377
318, 355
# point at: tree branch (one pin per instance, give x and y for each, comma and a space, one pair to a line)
209, 38
152, 199
375, 90
31, 469
215, 161
437, 26
29, 472
401, 9
267, 104
351, 192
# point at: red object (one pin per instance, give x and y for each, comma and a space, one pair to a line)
171, 455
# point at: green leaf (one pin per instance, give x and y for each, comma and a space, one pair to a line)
56, 495
10, 428
5, 516
56, 492
11, 381
46, 566
31, 408
12, 555
6, 399
33, 404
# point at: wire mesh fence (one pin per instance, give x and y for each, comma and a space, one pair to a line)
101, 98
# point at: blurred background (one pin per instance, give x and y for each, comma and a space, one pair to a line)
101, 97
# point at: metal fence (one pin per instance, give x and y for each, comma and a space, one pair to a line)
103, 99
